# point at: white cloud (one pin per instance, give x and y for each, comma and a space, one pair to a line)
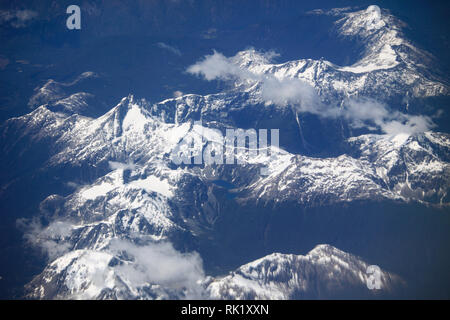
361, 111
160, 263
288, 91
217, 66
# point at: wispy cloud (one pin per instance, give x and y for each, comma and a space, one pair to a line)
362, 111
169, 48
114, 165
17, 18
160, 263
50, 239
296, 93
331, 12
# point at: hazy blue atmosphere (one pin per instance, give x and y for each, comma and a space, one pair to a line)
93, 206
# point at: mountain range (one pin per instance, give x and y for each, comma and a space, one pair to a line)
361, 177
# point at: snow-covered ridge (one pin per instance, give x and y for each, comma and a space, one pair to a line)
137, 196
325, 272
407, 167
53, 90
322, 273
386, 46
121, 271
394, 167
390, 64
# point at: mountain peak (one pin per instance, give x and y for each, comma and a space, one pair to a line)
365, 22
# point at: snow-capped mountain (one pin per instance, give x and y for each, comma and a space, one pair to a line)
390, 65
111, 197
375, 166
147, 199
322, 273
126, 271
